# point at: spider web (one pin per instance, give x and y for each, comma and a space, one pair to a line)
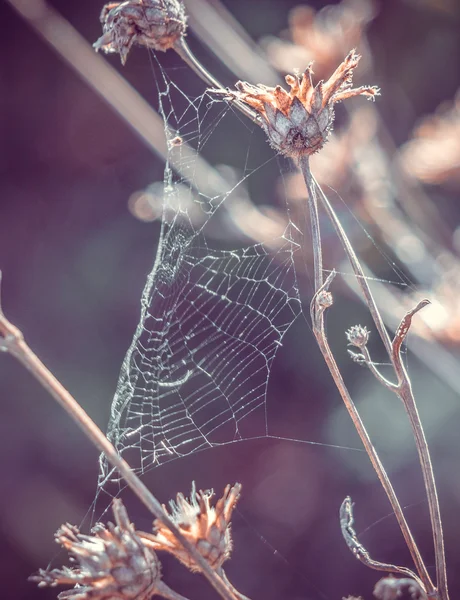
212, 320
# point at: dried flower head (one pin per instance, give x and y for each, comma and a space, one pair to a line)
206, 527
392, 588
113, 563
358, 336
155, 24
298, 122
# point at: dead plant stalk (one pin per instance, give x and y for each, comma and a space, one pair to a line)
403, 387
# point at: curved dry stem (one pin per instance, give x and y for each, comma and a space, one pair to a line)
321, 338
403, 390
352, 541
406, 394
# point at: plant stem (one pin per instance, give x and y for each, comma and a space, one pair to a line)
320, 335
403, 390
12, 341
183, 50
407, 396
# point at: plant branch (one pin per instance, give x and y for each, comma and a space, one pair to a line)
375, 372
183, 50
406, 394
12, 341
317, 311
403, 390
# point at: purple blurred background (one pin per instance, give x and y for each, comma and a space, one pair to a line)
74, 262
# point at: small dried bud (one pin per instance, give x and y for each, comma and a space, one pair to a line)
392, 588
298, 122
113, 563
205, 526
155, 24
358, 336
324, 299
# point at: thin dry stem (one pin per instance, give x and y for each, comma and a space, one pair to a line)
403, 390
12, 341
183, 50
321, 338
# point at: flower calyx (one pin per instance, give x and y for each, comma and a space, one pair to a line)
156, 24
299, 121
205, 526
113, 563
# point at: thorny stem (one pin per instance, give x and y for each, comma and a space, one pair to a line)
183, 50
403, 390
12, 341
320, 335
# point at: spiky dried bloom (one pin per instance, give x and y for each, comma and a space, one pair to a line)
298, 122
155, 24
113, 563
206, 527
358, 336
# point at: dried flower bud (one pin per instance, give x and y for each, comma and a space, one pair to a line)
113, 563
358, 336
298, 122
155, 24
324, 299
392, 588
205, 526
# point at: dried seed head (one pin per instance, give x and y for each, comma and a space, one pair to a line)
155, 24
358, 336
298, 122
392, 588
324, 299
206, 527
113, 563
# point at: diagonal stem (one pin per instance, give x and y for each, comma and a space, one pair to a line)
404, 391
320, 335
12, 341
407, 396
183, 50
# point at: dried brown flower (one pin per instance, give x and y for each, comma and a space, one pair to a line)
155, 24
298, 122
113, 563
205, 526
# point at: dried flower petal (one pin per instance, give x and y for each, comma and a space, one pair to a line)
113, 563
298, 123
155, 24
205, 526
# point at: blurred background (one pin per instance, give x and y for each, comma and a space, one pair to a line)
78, 232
